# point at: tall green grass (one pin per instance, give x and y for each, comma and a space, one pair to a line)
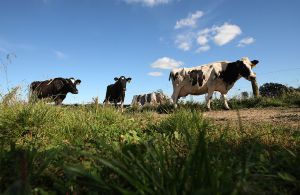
48, 149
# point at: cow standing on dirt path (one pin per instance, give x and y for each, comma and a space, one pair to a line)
218, 76
116, 92
55, 89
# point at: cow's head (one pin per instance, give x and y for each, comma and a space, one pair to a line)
245, 68
71, 84
122, 81
196, 77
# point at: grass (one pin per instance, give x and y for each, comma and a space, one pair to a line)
49, 149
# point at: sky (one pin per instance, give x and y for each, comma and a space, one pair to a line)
97, 40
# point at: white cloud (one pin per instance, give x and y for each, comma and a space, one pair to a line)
203, 48
149, 3
59, 54
184, 41
202, 39
155, 74
190, 21
246, 41
220, 35
166, 63
226, 33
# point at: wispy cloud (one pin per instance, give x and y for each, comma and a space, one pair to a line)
203, 48
148, 3
3, 50
7, 46
166, 63
190, 21
59, 54
219, 35
246, 41
46, 1
185, 41
155, 74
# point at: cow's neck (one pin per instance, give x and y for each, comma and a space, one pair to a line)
231, 74
120, 88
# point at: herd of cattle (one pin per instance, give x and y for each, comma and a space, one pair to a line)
217, 76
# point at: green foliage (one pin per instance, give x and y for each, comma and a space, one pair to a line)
48, 149
274, 90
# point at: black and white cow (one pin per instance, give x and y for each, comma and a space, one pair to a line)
153, 99
56, 89
116, 92
218, 76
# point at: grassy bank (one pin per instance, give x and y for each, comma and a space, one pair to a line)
59, 150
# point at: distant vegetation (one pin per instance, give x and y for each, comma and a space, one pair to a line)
276, 90
90, 149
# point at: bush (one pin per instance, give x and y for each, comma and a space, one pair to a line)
274, 90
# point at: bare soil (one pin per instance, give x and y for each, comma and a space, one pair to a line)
277, 116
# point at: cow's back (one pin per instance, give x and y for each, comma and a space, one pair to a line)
45, 89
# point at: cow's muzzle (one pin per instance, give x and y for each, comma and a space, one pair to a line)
76, 92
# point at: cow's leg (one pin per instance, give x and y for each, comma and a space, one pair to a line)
208, 99
224, 98
58, 102
116, 103
122, 105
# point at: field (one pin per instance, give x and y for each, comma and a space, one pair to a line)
252, 149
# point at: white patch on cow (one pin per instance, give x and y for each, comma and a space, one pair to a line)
72, 80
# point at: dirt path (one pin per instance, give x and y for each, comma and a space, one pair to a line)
280, 116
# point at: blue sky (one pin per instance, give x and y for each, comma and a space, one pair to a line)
97, 40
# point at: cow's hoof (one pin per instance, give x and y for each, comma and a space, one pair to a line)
227, 108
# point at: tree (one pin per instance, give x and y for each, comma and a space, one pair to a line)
274, 89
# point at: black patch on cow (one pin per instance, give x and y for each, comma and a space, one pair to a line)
254, 62
173, 76
231, 74
197, 76
148, 97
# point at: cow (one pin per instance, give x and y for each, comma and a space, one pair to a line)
55, 89
153, 98
218, 76
116, 92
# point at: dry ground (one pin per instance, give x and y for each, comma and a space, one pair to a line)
276, 116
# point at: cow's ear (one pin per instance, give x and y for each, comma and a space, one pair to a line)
128, 80
116, 78
77, 82
254, 62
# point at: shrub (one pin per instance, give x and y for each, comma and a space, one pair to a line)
274, 90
